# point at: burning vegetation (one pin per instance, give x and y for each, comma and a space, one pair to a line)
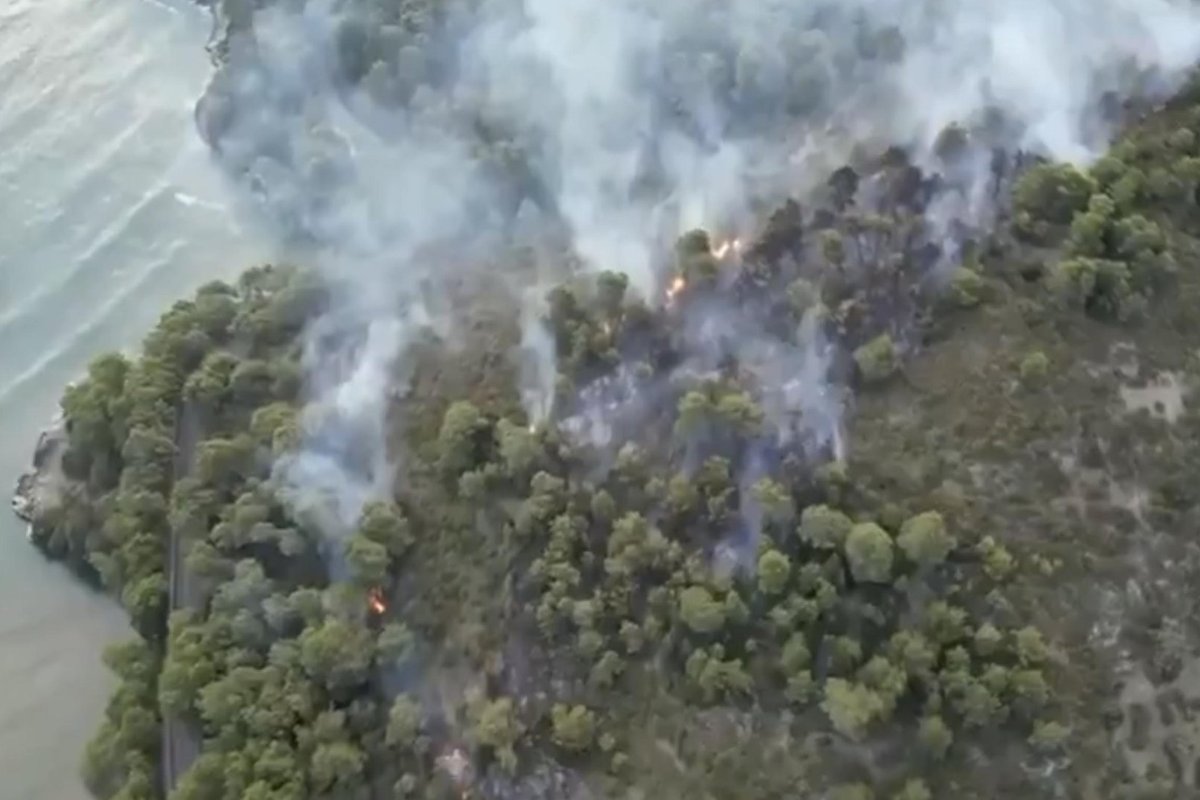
376, 603
725, 567
849, 509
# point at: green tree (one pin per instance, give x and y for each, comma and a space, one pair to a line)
611, 288
795, 656
251, 383
774, 569
845, 654
852, 791
574, 727
934, 737
604, 507
966, 288
944, 623
1034, 367
462, 439
802, 296
336, 768
94, 407
203, 780
913, 789
496, 727
368, 560
998, 563
215, 310
869, 553
1048, 736
1100, 286
518, 447
912, 651
1049, 194
978, 706
395, 644
851, 707
776, 501
384, 524
275, 424
208, 386
224, 462
404, 722
739, 411
604, 673
336, 654
700, 611
924, 539
146, 601
885, 678
714, 675
1030, 647
988, 640
822, 526
877, 359
1030, 690
683, 496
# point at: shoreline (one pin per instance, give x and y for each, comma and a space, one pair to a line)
41, 486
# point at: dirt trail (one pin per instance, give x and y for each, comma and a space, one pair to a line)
180, 740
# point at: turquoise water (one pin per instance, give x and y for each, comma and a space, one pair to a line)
109, 209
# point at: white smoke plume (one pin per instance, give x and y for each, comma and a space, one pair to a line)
626, 122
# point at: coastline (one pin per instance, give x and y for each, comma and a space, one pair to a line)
39, 488
109, 107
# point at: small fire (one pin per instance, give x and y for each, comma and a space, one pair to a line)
726, 247
375, 601
677, 285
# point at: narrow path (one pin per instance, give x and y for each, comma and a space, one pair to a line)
180, 741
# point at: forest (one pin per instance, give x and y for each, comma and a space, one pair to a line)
695, 604
852, 508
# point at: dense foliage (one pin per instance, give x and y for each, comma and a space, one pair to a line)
700, 592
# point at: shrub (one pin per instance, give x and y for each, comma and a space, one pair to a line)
966, 288
1101, 287
876, 359
1049, 195
1034, 367
574, 727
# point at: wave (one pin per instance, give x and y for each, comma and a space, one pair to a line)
82, 336
191, 200
108, 236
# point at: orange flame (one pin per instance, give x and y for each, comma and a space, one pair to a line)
375, 601
677, 285
726, 247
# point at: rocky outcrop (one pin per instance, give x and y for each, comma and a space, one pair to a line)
42, 485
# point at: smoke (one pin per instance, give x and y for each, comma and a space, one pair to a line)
537, 358
340, 465
401, 141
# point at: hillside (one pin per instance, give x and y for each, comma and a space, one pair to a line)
809, 523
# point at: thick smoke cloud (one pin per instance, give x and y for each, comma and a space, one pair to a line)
401, 139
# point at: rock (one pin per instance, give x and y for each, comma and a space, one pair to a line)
41, 486
22, 502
